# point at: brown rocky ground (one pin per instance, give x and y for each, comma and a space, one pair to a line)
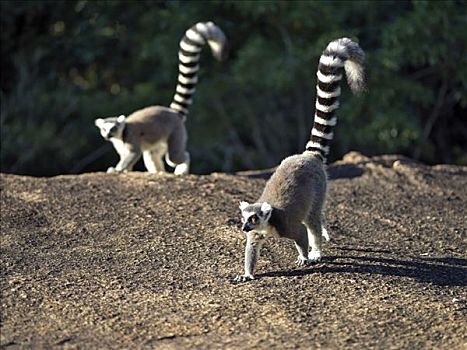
144, 261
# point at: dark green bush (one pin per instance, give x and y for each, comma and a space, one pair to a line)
64, 63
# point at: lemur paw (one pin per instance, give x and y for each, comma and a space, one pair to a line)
301, 261
243, 278
112, 170
181, 169
314, 256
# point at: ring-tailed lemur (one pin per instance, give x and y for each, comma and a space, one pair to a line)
157, 131
292, 202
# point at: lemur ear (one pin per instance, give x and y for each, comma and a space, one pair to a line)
266, 208
99, 122
243, 205
121, 118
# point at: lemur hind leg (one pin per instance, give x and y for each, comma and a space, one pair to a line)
157, 157
324, 223
314, 229
177, 155
183, 168
149, 163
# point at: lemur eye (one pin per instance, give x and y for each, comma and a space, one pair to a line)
253, 219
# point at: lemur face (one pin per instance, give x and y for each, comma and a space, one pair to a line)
110, 127
255, 216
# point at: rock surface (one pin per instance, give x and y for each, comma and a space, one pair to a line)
144, 261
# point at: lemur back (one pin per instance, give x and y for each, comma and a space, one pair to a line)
297, 187
157, 131
142, 126
293, 199
166, 135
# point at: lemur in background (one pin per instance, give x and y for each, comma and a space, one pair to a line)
157, 131
293, 199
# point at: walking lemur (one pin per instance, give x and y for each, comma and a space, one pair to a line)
292, 202
157, 131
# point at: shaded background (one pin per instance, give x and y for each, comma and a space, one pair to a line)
65, 63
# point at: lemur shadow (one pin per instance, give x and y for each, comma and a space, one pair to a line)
366, 250
438, 271
344, 171
336, 171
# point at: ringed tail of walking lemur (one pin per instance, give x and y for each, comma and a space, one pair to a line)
292, 202
341, 53
157, 131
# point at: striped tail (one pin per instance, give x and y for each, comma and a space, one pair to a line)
190, 48
341, 54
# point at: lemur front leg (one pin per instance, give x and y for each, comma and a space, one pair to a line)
254, 241
126, 162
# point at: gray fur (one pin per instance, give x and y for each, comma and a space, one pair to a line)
152, 131
296, 192
292, 203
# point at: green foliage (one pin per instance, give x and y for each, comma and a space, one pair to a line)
65, 63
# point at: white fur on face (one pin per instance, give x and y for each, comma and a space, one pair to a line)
263, 213
266, 208
246, 215
105, 127
99, 122
246, 211
243, 205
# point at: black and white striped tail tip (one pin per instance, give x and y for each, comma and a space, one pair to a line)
192, 43
343, 53
200, 34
